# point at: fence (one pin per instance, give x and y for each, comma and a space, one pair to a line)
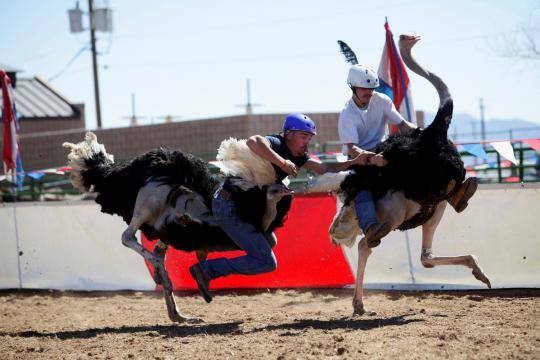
72, 245
494, 170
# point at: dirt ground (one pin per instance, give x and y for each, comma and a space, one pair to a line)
277, 324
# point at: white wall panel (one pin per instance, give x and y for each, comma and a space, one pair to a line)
75, 246
9, 274
501, 226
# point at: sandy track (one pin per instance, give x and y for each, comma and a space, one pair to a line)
282, 324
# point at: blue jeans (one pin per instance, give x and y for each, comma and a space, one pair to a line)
259, 256
365, 210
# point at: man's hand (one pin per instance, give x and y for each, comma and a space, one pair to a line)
289, 167
377, 160
363, 158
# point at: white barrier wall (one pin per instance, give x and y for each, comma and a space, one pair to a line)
67, 246
9, 268
73, 246
501, 226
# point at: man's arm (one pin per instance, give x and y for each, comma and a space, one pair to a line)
396, 118
319, 167
355, 150
405, 125
368, 157
261, 146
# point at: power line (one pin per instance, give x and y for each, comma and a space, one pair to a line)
71, 61
485, 36
350, 12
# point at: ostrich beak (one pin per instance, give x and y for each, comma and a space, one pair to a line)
412, 39
280, 190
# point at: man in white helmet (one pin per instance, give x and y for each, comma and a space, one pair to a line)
361, 128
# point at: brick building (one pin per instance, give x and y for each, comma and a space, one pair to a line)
48, 119
200, 137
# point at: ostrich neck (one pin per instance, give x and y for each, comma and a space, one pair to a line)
438, 83
270, 213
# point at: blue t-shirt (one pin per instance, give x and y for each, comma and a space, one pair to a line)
277, 143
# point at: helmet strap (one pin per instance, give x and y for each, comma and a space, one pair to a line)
353, 89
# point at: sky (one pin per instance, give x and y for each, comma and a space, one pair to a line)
191, 59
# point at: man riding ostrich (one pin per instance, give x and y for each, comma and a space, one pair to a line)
418, 172
171, 196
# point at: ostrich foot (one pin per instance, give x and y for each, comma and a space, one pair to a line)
359, 309
480, 275
178, 317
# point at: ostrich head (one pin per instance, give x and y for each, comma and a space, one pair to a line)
83, 156
277, 191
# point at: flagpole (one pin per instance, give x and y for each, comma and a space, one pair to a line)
15, 191
11, 154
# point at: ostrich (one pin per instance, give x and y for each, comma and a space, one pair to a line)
412, 190
167, 195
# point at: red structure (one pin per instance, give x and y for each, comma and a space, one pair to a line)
305, 255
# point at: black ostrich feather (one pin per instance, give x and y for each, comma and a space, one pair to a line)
420, 164
118, 184
349, 54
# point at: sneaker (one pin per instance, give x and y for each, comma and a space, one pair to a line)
202, 281
376, 232
461, 196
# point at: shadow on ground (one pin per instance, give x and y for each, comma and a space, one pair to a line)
155, 330
231, 328
342, 323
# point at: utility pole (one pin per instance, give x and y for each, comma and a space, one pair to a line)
482, 121
133, 116
94, 62
100, 19
248, 105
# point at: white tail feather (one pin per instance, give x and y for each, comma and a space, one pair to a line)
344, 229
236, 159
327, 182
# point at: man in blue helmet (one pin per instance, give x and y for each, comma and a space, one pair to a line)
287, 152
361, 128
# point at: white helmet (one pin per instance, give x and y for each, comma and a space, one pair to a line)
362, 76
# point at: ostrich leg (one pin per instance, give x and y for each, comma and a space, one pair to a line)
429, 260
274, 193
150, 201
363, 254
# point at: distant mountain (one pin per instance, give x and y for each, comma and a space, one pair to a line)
466, 128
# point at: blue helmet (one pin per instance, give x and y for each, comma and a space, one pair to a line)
299, 122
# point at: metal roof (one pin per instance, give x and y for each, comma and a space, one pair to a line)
34, 97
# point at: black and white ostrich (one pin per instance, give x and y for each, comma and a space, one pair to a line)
411, 190
167, 195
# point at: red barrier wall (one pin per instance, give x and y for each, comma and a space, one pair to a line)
304, 253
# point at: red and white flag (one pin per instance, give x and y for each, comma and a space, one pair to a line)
394, 80
11, 155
